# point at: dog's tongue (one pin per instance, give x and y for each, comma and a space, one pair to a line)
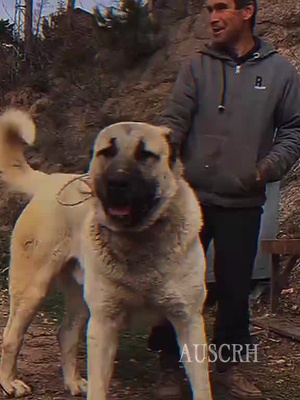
120, 212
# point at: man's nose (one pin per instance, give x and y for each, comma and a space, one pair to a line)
214, 17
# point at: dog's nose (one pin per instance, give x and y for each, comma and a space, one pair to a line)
119, 180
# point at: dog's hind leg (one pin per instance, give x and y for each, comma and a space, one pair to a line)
69, 334
12, 341
29, 286
194, 354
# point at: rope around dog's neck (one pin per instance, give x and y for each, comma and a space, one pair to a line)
83, 178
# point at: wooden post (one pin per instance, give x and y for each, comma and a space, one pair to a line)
71, 5
277, 248
70, 9
275, 287
28, 26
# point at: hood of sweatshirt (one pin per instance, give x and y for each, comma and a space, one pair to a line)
261, 51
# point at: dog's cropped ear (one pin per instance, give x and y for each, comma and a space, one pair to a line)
174, 150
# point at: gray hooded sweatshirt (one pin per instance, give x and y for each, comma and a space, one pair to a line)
232, 121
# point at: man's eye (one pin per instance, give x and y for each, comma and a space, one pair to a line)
217, 7
221, 7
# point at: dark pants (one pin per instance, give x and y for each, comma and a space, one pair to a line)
235, 233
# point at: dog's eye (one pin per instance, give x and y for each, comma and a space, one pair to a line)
107, 152
146, 154
142, 154
110, 151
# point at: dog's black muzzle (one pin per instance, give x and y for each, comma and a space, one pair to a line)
127, 195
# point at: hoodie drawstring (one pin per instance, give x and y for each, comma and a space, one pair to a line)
221, 106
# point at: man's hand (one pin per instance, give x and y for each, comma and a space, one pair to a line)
258, 176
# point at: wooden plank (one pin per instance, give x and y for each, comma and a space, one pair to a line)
280, 246
282, 328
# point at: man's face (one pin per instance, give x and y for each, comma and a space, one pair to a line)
226, 22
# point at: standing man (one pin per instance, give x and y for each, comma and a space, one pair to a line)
235, 113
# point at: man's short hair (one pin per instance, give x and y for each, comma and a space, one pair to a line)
243, 3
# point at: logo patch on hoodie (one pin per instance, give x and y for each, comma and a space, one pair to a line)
259, 84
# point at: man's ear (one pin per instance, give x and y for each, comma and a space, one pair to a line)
248, 12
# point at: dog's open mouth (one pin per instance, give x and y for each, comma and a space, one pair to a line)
134, 212
125, 211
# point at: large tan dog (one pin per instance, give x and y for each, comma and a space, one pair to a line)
140, 250
136, 238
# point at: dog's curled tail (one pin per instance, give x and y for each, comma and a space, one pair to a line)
17, 130
17, 126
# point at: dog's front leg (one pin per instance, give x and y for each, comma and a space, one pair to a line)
194, 355
102, 346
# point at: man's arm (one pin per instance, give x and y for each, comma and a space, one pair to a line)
181, 104
286, 148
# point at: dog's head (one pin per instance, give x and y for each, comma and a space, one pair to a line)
134, 174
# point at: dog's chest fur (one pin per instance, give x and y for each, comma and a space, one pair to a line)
141, 262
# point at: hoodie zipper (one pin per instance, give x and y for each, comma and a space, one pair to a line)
239, 66
238, 69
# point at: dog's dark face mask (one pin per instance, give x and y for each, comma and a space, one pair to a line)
127, 194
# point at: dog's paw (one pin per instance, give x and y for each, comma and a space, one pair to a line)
77, 387
15, 389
